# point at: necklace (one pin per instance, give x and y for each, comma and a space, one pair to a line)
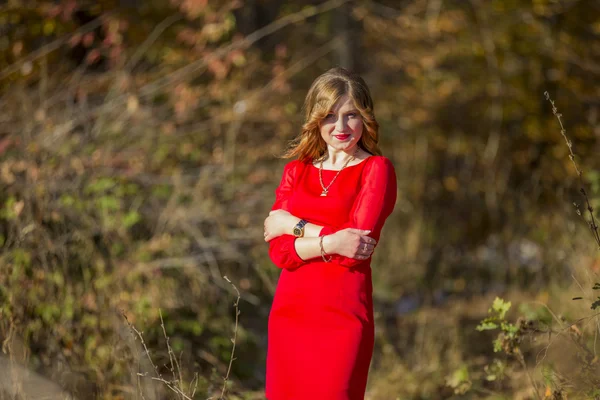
326, 189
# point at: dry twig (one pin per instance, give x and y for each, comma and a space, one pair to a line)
233, 340
171, 385
592, 222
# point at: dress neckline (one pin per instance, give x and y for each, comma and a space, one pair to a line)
349, 166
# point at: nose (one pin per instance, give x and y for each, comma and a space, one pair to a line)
340, 124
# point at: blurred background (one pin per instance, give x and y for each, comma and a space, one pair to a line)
139, 153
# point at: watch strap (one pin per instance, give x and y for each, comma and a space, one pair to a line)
300, 226
301, 223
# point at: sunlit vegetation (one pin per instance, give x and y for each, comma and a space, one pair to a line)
139, 145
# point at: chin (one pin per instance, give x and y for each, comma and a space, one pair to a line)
343, 145
349, 145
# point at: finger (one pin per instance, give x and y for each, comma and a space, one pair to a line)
359, 231
368, 240
366, 248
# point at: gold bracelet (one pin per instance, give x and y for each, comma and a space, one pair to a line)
323, 254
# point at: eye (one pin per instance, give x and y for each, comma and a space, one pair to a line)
353, 114
329, 116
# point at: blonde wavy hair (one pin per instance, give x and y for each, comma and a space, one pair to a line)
323, 94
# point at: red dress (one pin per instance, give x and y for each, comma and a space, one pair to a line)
321, 327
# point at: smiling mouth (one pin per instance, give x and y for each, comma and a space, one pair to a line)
342, 137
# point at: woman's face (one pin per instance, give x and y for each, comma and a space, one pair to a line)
342, 128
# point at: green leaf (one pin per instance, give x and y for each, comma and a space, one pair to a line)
8, 211
100, 185
501, 307
131, 218
21, 257
510, 329
108, 203
497, 345
66, 200
495, 371
49, 27
486, 326
460, 380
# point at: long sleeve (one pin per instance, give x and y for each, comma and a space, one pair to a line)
281, 249
373, 204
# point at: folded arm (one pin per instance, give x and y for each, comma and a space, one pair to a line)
373, 204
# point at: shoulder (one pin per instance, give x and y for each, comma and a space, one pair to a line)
291, 167
378, 169
379, 164
379, 175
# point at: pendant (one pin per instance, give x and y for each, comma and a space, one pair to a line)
324, 193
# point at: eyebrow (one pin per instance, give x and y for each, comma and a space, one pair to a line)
354, 110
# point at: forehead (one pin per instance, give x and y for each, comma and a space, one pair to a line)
343, 104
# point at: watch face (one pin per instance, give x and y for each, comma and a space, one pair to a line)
297, 231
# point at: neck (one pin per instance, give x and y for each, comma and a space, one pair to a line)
339, 157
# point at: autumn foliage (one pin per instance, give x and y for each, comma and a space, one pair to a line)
139, 145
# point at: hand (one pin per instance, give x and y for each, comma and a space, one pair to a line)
351, 243
279, 222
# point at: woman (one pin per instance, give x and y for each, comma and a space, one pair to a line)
330, 206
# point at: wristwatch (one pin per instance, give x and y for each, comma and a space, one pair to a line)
299, 228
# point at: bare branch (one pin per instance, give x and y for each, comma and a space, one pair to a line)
233, 340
